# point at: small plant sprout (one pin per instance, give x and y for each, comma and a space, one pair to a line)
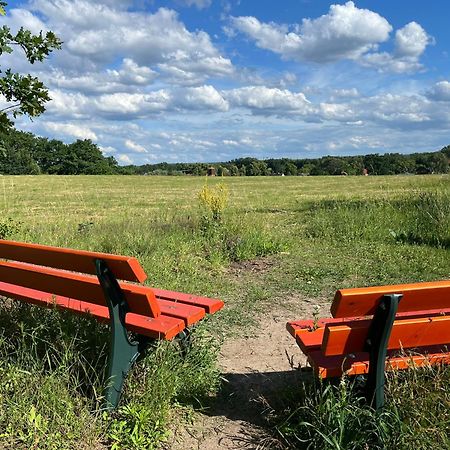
315, 315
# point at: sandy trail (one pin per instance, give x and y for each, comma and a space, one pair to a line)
255, 368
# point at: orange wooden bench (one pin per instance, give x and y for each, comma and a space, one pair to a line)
86, 283
376, 329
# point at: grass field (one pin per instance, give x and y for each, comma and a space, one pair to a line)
323, 233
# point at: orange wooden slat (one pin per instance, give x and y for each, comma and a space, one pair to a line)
308, 325
123, 267
406, 333
309, 341
336, 366
161, 327
299, 326
416, 296
211, 305
190, 314
141, 300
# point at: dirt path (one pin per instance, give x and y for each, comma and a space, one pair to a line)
256, 368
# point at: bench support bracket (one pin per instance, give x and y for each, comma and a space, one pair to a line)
122, 352
376, 344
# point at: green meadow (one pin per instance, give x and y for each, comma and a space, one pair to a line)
319, 233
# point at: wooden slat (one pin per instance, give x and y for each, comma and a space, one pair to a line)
141, 300
161, 327
416, 296
336, 366
211, 305
310, 341
190, 314
308, 325
299, 326
406, 333
123, 267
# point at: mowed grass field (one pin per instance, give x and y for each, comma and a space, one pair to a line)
320, 234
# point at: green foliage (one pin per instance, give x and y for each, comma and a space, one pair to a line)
233, 239
45, 365
328, 416
239, 240
429, 219
446, 151
136, 427
420, 218
9, 227
214, 201
387, 164
26, 94
23, 153
336, 417
53, 364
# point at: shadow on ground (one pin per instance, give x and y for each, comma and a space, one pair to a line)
253, 397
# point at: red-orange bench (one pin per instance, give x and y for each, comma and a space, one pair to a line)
86, 283
376, 329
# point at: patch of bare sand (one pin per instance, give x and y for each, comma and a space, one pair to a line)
256, 368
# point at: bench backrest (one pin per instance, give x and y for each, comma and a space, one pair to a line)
123, 267
424, 318
57, 271
416, 297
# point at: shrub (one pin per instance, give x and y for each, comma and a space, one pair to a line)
214, 201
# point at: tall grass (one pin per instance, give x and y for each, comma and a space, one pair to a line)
414, 218
335, 416
53, 364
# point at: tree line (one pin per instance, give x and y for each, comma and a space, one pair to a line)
24, 153
373, 164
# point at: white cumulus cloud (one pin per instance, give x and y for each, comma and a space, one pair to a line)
440, 91
134, 147
411, 40
263, 100
346, 32
70, 129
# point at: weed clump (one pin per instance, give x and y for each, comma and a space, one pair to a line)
9, 227
231, 238
325, 415
214, 200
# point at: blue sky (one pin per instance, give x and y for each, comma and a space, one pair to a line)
213, 80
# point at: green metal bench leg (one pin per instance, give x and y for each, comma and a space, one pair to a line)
376, 344
185, 341
122, 353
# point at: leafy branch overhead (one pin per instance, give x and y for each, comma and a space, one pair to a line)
25, 94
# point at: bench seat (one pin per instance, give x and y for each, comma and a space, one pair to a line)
175, 316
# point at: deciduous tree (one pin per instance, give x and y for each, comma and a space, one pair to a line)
25, 94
